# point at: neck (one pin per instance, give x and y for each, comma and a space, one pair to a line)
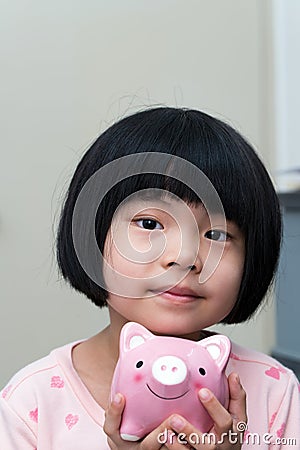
112, 332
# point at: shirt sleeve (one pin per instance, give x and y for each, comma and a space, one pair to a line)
14, 432
285, 430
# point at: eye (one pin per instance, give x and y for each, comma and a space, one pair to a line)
149, 224
139, 364
202, 371
217, 235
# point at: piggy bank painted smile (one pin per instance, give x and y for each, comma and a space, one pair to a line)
160, 375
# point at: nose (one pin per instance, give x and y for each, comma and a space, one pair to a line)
169, 377
169, 370
187, 257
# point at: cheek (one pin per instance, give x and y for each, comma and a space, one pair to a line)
122, 265
198, 385
138, 377
228, 277
138, 241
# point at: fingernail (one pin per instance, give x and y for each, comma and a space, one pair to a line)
205, 394
237, 379
117, 399
177, 423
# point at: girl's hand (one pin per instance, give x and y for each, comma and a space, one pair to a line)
113, 416
226, 434
229, 426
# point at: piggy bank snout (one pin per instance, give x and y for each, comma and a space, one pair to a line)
169, 371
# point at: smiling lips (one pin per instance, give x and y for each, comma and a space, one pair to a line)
166, 398
181, 294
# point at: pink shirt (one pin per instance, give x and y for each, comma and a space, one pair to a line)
46, 406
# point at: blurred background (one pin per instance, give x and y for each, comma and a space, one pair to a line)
69, 69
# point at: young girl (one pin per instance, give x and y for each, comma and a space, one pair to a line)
171, 221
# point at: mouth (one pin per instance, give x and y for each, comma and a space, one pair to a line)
166, 398
177, 294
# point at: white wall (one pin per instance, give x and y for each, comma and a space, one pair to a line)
69, 68
285, 17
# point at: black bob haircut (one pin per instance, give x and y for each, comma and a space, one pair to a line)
222, 154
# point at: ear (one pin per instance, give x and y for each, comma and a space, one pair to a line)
219, 347
132, 335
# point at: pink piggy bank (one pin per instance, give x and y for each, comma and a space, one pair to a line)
160, 375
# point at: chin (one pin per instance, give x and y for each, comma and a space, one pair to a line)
171, 329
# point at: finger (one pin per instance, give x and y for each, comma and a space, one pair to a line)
175, 442
187, 436
237, 399
222, 419
162, 438
111, 444
113, 416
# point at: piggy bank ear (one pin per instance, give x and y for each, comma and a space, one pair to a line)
219, 347
132, 335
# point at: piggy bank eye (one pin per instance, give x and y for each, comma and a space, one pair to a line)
202, 371
139, 364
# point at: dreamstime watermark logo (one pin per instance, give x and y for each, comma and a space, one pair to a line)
240, 436
103, 180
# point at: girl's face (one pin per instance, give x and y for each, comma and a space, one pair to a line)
158, 273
